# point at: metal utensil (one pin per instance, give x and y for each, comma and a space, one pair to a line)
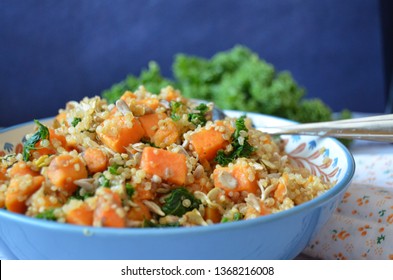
375, 128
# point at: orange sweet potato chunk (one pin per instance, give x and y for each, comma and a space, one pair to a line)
120, 131
109, 211
19, 190
235, 179
150, 123
82, 215
96, 160
207, 143
64, 169
170, 166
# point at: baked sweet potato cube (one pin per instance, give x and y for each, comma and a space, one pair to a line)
140, 212
167, 134
82, 215
109, 211
169, 166
21, 168
151, 103
64, 169
19, 190
96, 160
3, 174
207, 142
237, 178
150, 123
212, 214
119, 131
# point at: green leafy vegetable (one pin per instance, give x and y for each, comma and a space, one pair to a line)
75, 121
176, 107
77, 194
151, 224
240, 148
151, 144
48, 214
150, 78
199, 118
113, 169
236, 79
130, 190
41, 134
179, 202
103, 181
237, 216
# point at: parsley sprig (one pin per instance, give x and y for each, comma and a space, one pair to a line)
239, 150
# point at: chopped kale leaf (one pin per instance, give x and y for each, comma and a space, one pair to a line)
179, 202
41, 134
48, 214
75, 121
199, 118
240, 148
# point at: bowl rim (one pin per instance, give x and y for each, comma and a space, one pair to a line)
152, 232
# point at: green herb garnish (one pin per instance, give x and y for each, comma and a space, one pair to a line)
75, 121
113, 169
48, 214
175, 108
239, 150
77, 194
103, 181
41, 134
179, 202
237, 216
130, 190
199, 117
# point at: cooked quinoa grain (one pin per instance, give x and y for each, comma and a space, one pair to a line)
151, 160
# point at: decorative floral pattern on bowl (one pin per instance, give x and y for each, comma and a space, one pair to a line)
309, 154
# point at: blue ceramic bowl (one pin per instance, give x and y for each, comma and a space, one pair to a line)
278, 236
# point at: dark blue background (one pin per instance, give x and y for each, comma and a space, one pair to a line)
54, 51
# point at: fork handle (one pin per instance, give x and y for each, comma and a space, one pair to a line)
378, 128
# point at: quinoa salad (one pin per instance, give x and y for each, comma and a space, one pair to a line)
151, 160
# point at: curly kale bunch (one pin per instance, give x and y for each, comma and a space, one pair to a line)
236, 79
150, 78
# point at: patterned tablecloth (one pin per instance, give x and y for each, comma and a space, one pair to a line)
362, 226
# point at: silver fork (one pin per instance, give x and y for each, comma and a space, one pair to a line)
375, 128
